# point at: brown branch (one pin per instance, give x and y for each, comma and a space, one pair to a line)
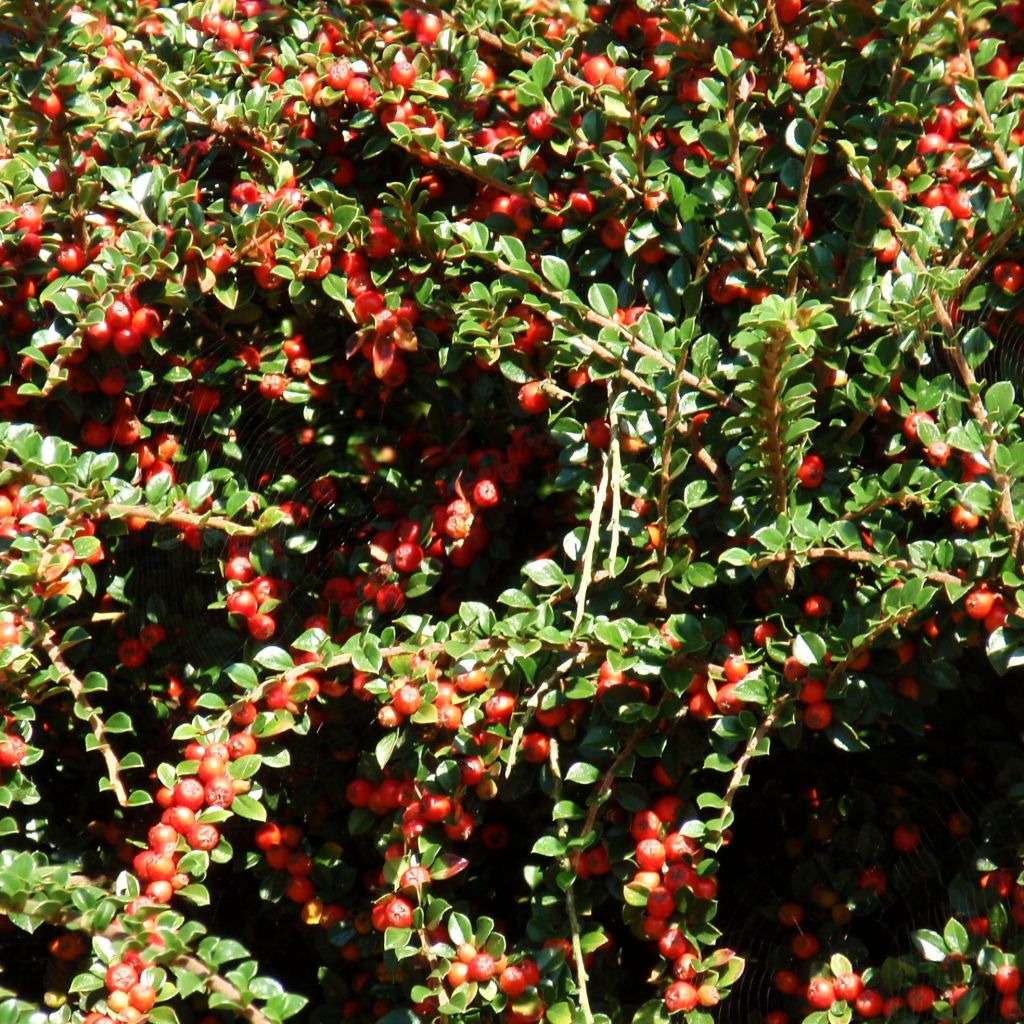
570, 899
581, 648
178, 518
858, 556
737, 172
55, 372
778, 35
917, 33
739, 772
770, 404
442, 157
491, 39
214, 982
982, 260
665, 481
587, 565
805, 180
117, 932
50, 643
886, 501
242, 135
896, 79
1002, 161
608, 779
896, 227
883, 627
635, 344
615, 447
734, 21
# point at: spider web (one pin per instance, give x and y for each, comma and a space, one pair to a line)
177, 584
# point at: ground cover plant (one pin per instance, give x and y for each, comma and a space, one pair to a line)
511, 511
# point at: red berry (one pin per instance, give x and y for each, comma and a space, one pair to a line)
481, 967
121, 977
398, 913
821, 993
848, 986
13, 750
261, 626
680, 997
513, 981
1009, 276
906, 837
921, 998
189, 793
242, 602
532, 399
870, 1003
735, 668
978, 603
811, 472
70, 258
913, 422
1007, 979
818, 716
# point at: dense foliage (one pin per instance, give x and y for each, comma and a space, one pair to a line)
444, 449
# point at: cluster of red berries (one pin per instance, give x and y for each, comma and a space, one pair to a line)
212, 786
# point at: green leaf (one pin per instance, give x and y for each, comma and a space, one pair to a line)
386, 747
119, 722
582, 773
549, 846
956, 937
560, 1013
602, 299
274, 658
555, 271
930, 944
246, 806
545, 573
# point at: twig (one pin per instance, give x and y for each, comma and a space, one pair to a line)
243, 1005
858, 556
441, 155
582, 648
638, 346
241, 134
883, 627
901, 500
587, 566
116, 931
608, 779
982, 260
734, 21
737, 172
914, 36
179, 518
739, 772
778, 36
665, 480
570, 899
51, 645
535, 698
616, 485
997, 150
896, 79
770, 407
176, 517
805, 180
491, 39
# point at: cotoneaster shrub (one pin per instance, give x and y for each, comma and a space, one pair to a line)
510, 512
